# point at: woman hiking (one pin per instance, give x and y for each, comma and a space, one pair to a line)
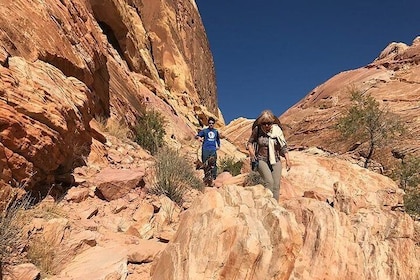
266, 145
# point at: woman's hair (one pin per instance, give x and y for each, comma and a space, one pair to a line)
266, 116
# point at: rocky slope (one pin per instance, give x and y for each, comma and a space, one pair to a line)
335, 220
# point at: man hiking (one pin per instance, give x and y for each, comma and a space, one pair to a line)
211, 143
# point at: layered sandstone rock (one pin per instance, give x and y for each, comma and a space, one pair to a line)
335, 220
234, 233
41, 114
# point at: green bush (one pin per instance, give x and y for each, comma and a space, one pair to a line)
408, 173
230, 165
254, 178
150, 131
412, 203
408, 176
174, 175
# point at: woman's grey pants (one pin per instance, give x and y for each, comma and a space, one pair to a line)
271, 176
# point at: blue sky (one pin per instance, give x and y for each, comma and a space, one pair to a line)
269, 54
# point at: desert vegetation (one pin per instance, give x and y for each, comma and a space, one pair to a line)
114, 127
253, 178
11, 223
150, 131
229, 164
174, 175
366, 121
407, 174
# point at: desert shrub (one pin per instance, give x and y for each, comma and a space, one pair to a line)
173, 175
408, 176
114, 127
408, 173
254, 178
150, 130
230, 165
42, 254
46, 255
412, 203
43, 250
10, 228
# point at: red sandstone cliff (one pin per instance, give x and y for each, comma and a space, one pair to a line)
64, 63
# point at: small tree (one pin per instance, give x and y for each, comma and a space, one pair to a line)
366, 121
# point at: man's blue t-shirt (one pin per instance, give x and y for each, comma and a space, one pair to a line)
211, 138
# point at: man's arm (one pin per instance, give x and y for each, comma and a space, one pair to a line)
200, 136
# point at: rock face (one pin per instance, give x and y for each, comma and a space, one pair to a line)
39, 120
63, 63
362, 222
234, 233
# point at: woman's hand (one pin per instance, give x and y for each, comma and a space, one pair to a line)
288, 165
251, 151
252, 156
